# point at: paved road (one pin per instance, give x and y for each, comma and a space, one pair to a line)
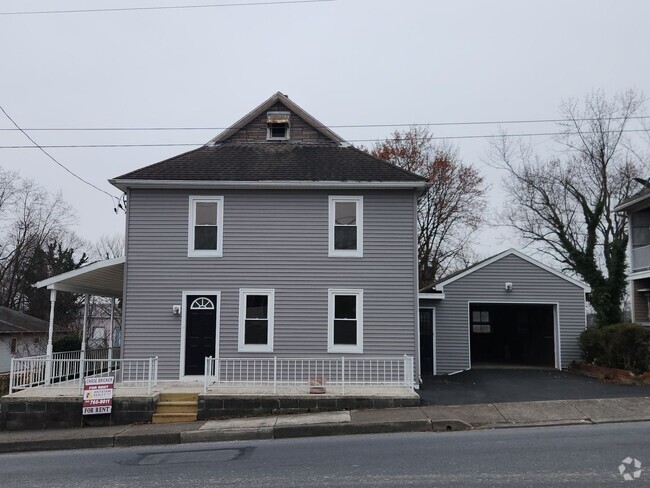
519, 385
576, 456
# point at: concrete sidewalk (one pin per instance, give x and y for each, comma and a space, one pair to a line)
411, 419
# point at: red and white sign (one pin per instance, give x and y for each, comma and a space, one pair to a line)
98, 395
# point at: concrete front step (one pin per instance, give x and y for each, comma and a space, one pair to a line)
176, 407
169, 418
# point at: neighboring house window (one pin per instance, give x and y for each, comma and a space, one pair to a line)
640, 236
481, 322
256, 310
206, 227
14, 346
346, 226
277, 126
345, 321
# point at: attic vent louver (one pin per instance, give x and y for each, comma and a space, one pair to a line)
278, 125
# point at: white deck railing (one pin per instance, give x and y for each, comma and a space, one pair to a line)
275, 372
67, 370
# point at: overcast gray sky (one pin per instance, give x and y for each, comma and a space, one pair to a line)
346, 62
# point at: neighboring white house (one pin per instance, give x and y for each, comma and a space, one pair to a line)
21, 335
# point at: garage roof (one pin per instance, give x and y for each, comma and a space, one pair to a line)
103, 278
475, 267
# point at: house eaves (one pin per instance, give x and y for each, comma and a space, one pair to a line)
123, 184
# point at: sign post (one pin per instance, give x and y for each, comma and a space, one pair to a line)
98, 395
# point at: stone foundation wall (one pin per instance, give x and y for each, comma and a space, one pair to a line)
52, 413
219, 406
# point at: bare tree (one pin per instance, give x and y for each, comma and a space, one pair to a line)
108, 246
452, 210
564, 205
31, 218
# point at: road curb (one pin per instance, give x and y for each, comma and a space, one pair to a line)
57, 444
226, 435
449, 425
316, 430
130, 440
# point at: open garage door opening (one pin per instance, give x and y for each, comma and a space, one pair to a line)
512, 334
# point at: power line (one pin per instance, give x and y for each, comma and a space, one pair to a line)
441, 138
37, 146
344, 126
162, 7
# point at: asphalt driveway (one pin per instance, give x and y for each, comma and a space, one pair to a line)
519, 385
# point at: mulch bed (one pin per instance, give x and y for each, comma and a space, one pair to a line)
611, 375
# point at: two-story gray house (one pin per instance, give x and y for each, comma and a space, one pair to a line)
637, 208
276, 238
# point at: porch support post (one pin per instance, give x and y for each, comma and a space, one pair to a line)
50, 334
110, 336
82, 355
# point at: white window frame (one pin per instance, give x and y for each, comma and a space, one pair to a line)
218, 252
287, 136
243, 293
358, 252
344, 348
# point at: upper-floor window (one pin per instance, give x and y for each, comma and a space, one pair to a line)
256, 315
346, 226
278, 126
206, 226
345, 321
640, 236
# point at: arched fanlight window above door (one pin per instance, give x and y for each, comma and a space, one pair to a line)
202, 303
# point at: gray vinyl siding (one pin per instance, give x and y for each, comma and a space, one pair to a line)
271, 239
640, 300
530, 284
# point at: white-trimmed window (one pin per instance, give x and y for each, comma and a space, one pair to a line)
345, 321
345, 226
256, 310
278, 126
206, 227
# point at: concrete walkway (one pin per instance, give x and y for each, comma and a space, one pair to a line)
430, 418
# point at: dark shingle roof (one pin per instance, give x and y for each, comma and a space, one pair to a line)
14, 322
274, 162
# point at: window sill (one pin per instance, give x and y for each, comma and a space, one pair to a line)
345, 254
345, 349
203, 254
255, 348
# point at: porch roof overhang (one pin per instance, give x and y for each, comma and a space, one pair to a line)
103, 278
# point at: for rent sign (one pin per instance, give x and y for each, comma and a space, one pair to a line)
98, 395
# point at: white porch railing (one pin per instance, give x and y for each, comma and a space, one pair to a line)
278, 372
67, 370
640, 258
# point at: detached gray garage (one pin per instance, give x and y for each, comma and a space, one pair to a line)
507, 310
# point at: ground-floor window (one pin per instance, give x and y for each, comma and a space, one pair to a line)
345, 321
256, 310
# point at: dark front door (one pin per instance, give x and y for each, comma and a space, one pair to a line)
426, 341
200, 332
